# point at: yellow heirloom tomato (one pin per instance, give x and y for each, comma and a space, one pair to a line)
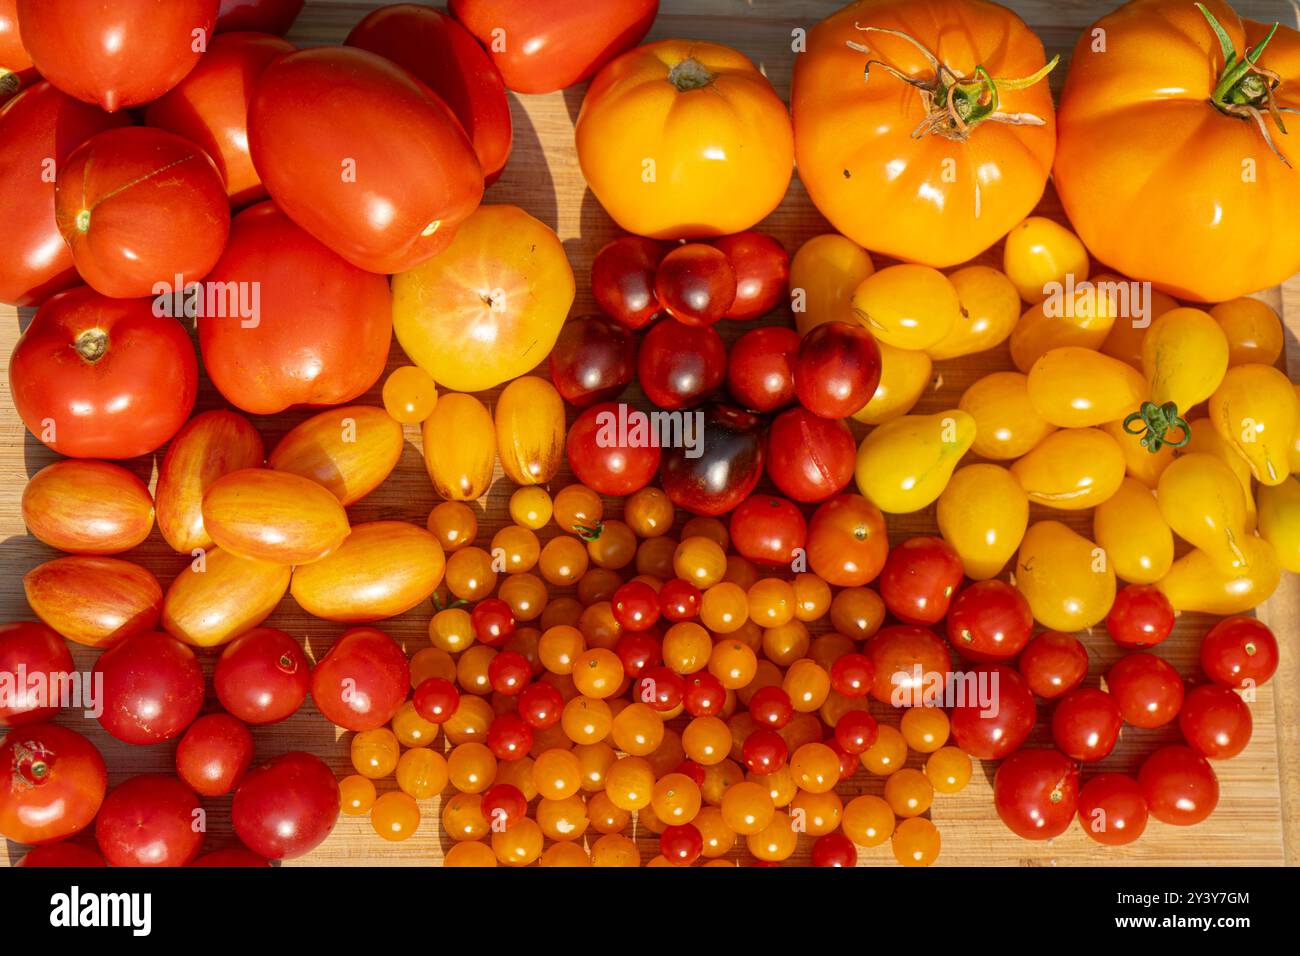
1072, 469
1006, 425
1195, 583
1134, 533
904, 374
904, 465
1202, 501
824, 274
1074, 387
1279, 521
983, 514
908, 306
1124, 341
1067, 579
1039, 252
1253, 330
990, 308
1255, 412
459, 441
1080, 313
1205, 440
1184, 357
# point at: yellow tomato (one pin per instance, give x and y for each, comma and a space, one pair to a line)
1074, 387
1072, 469
908, 306
1139, 461
1137, 540
1293, 454
990, 309
1203, 439
1081, 315
1279, 521
905, 464
1195, 583
1184, 356
1253, 330
1068, 580
1124, 340
530, 430
1202, 501
983, 514
1039, 252
1006, 425
489, 307
459, 447
1255, 412
824, 274
904, 375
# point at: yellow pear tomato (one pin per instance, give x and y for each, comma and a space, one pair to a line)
1202, 501
983, 514
1138, 541
1006, 425
904, 375
1253, 330
1079, 314
1184, 357
1074, 387
1039, 252
1068, 580
1124, 341
1203, 439
904, 465
1279, 521
908, 306
1139, 461
1255, 412
1195, 582
990, 308
1072, 469
824, 274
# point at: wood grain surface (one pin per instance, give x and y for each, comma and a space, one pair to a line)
1258, 819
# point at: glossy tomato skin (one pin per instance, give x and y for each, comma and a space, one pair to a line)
263, 16
695, 284
623, 279
153, 688
988, 735
762, 268
44, 656
837, 369
919, 579
210, 107
989, 621
680, 366
286, 807
593, 360
1215, 722
727, 468
446, 58
1179, 785
895, 654
847, 541
54, 781
115, 380
1036, 793
119, 54
65, 854
760, 368
1086, 724
604, 460
362, 680
322, 328
150, 820
262, 676
1053, 664
231, 857
768, 530
14, 57
1148, 689
1239, 651
550, 45
810, 458
409, 173
40, 125
1112, 809
1140, 617
214, 754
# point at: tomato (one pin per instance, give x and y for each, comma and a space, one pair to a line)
87, 507
809, 458
1006, 425
1140, 617
94, 377
442, 55
847, 542
1112, 809
39, 653
983, 514
15, 63
990, 725
152, 688
264, 16
54, 783
40, 126
1179, 785
489, 307
680, 365
92, 600
1254, 410
1239, 652
460, 446
1039, 252
1279, 521
362, 681
722, 469
1065, 577
873, 149
1086, 724
904, 376
594, 360
1196, 582
623, 279
1053, 664
286, 807
769, 531
908, 306
1175, 92
348, 450
120, 55
208, 446
65, 854
220, 596
695, 284
1036, 793
214, 754
266, 515
762, 269
1184, 356
1133, 532
906, 661
760, 368
319, 328
988, 621
837, 369
231, 857
604, 460
1074, 387
1084, 319
493, 621
150, 820
904, 464
262, 676
668, 129
919, 579
210, 107
1253, 330
1072, 469
1215, 722
1148, 690
990, 309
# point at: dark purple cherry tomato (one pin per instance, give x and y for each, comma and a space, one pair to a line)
1036, 793
540, 704
593, 360
1141, 616
1239, 651
1179, 785
989, 621
623, 279
1054, 664
679, 365
722, 469
834, 849
509, 673
810, 458
611, 450
764, 751
1086, 724
760, 368
837, 369
919, 579
679, 600
635, 606
1215, 722
436, 700
1148, 690
1112, 809
695, 284
768, 530
762, 269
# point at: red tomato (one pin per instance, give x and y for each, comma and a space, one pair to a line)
1239, 652
262, 676
996, 725
231, 856
771, 707
509, 736
1179, 785
548, 45
38, 130
834, 849
52, 782
1036, 793
34, 658
380, 170
760, 368
853, 675
118, 54
150, 820
287, 806
907, 662
153, 688
768, 530
493, 621
593, 360
604, 460
362, 681
446, 58
988, 621
623, 279
1148, 690
681, 843
15, 62
679, 365
1215, 722
680, 600
847, 542
660, 687
1086, 724
63, 854
762, 268
695, 284
635, 606
436, 700
503, 805
539, 704
810, 458
720, 469
837, 369
214, 754
856, 731
265, 16
1112, 809
321, 330
210, 107
919, 578
509, 672
704, 696
1140, 617
1053, 664
764, 751
95, 377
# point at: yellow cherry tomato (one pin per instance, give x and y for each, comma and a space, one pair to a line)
824, 274
1081, 313
887, 754
375, 753
422, 773
905, 464
775, 842
1039, 252
915, 842
983, 514
949, 769
1124, 341
1071, 469
1279, 521
821, 812
1195, 583
1255, 412
747, 807
615, 850
356, 795
1068, 580
1201, 500
868, 821
908, 306
520, 844
1253, 330
904, 376
471, 853
990, 308
1074, 387
409, 394
1137, 540
1006, 425
395, 816
531, 507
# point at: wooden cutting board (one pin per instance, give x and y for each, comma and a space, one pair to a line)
1258, 819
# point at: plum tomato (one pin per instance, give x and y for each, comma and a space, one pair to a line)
262, 676
762, 269
919, 579
1053, 664
768, 530
1239, 652
606, 461
52, 782
635, 606
1148, 689
623, 279
996, 714
836, 369
760, 368
40, 653
810, 458
695, 284
988, 621
150, 820
214, 754
1112, 809
1140, 617
679, 365
593, 360
287, 806
721, 468
436, 700
1179, 786
1215, 722
362, 681
907, 662
1036, 793
1086, 724
152, 688
847, 541
493, 621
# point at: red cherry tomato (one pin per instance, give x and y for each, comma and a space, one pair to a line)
264, 16
68, 855
769, 531
919, 579
436, 700
287, 806
856, 731
509, 673
691, 769
606, 461
852, 675
150, 820
540, 704
380, 170
493, 622
214, 754
1086, 724
1179, 785
847, 541
593, 360
660, 687
1036, 793
762, 269
721, 468
52, 782
679, 600
231, 857
760, 368
695, 284
362, 681
153, 688
1054, 664
635, 606
118, 54
503, 806
679, 365
834, 849
1148, 690
1215, 722
810, 458
837, 369
1239, 652
638, 650
681, 843
704, 695
42, 655
771, 707
1112, 809
509, 737
764, 751
318, 331
907, 662
262, 676
988, 621
1140, 617
995, 726
623, 279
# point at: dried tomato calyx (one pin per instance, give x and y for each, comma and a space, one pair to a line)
1155, 422
690, 74
91, 344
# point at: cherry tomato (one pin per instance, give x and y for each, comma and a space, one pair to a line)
1179, 785
504, 805
493, 621
149, 820
1140, 617
988, 621
1112, 809
681, 844
540, 705
436, 700
768, 530
593, 360
44, 657
679, 600
623, 279
54, 781
680, 365
704, 695
636, 606
1086, 724
638, 651
834, 849
765, 751
722, 469
287, 806
509, 673
262, 676
853, 675
509, 737
760, 368
771, 707
229, 857
919, 579
906, 661
661, 688
1215, 722
847, 542
1053, 664
152, 688
695, 284
362, 680
1148, 690
856, 731
810, 458
264, 16
214, 754
762, 269
1239, 652
605, 461
1036, 793
837, 369
996, 726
